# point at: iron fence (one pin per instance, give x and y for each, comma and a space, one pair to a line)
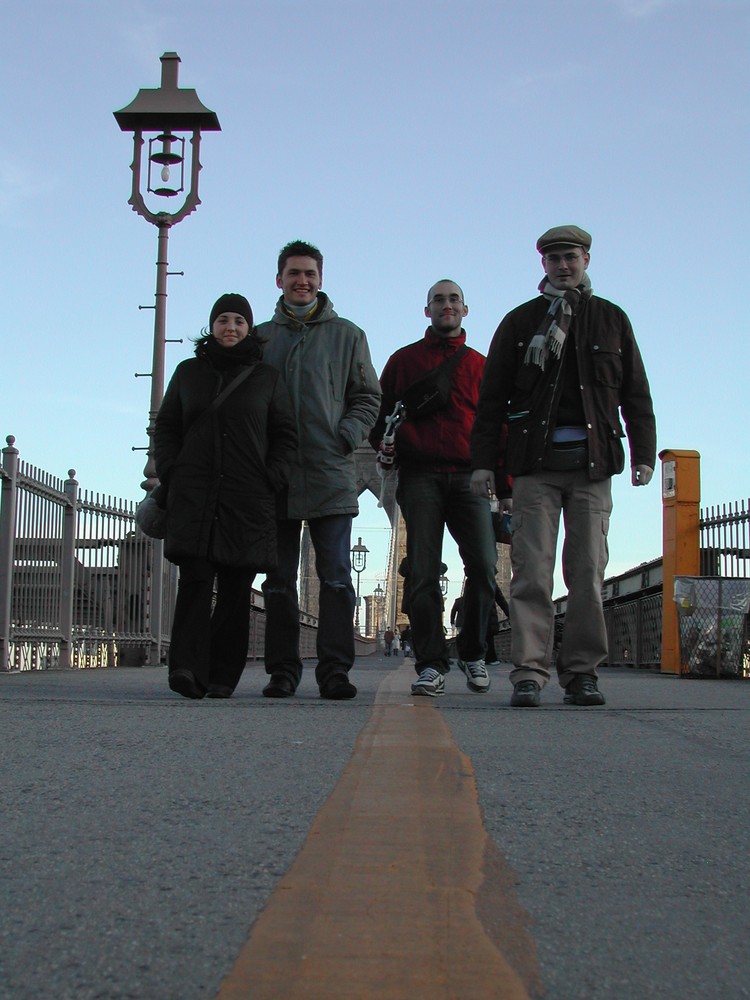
75, 575
725, 540
77, 579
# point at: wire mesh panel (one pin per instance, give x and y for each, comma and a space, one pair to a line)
622, 630
650, 629
713, 615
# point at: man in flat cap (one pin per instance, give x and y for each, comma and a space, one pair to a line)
560, 372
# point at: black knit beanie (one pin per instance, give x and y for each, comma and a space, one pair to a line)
231, 302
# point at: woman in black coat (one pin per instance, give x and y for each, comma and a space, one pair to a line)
221, 472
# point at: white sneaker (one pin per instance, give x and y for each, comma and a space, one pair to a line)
430, 682
477, 678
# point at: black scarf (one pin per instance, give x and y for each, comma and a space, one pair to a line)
224, 359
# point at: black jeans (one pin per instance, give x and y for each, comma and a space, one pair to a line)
210, 639
430, 502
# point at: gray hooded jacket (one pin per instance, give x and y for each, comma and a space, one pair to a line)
325, 363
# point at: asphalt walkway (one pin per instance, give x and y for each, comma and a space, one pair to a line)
162, 849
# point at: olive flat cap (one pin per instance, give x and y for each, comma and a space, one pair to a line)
570, 236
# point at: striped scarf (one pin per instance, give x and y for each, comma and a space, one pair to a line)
550, 337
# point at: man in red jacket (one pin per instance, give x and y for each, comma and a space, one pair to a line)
433, 459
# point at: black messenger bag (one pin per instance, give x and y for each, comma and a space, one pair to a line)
432, 391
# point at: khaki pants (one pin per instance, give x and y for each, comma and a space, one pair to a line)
586, 506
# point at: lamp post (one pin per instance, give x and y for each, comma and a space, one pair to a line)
171, 112
379, 595
168, 110
444, 581
359, 561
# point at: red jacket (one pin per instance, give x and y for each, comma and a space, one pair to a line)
439, 442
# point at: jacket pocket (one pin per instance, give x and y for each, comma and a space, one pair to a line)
334, 379
606, 367
616, 450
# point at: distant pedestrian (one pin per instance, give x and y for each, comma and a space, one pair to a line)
223, 443
388, 636
406, 641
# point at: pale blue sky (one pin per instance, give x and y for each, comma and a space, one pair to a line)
411, 141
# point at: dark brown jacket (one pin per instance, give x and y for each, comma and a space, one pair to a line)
613, 382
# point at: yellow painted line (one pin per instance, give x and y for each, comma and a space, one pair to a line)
383, 899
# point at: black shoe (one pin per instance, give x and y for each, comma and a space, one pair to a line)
184, 682
219, 691
338, 688
525, 695
582, 690
280, 686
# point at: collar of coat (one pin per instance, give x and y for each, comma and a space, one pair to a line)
323, 312
448, 345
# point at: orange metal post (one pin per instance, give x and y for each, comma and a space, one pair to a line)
680, 492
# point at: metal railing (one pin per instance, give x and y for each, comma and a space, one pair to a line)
725, 540
77, 582
75, 575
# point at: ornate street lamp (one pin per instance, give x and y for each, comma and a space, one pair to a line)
379, 595
359, 561
171, 112
444, 581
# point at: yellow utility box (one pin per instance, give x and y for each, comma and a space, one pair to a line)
680, 496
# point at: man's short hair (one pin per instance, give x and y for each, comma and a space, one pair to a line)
298, 248
443, 281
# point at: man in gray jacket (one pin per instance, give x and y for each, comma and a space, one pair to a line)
325, 363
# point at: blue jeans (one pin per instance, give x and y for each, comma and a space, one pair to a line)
430, 502
331, 539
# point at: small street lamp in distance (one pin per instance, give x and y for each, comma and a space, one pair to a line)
359, 561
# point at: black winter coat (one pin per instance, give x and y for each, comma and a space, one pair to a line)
222, 478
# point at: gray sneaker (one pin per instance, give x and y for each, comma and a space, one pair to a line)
477, 678
525, 695
582, 690
430, 683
